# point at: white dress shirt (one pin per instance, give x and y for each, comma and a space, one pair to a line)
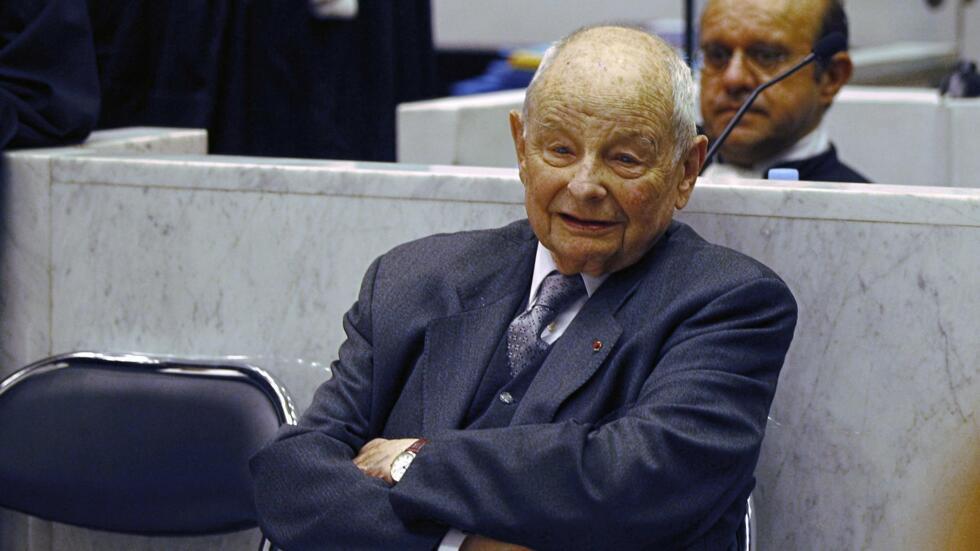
817, 142
544, 264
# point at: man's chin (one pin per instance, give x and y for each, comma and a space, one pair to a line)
742, 150
578, 261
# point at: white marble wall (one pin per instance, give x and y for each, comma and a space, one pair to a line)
213, 255
895, 135
25, 240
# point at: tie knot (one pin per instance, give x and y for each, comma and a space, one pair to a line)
558, 291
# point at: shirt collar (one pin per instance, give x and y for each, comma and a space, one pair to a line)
544, 264
817, 142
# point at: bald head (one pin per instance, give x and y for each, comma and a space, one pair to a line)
611, 64
814, 19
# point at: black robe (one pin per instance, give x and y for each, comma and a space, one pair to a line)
49, 89
265, 77
825, 167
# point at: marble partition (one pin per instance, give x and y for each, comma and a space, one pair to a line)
895, 135
892, 135
467, 130
195, 265
874, 425
24, 231
964, 120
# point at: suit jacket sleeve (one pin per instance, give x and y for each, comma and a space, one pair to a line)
308, 493
656, 474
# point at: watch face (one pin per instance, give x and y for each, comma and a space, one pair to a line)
400, 465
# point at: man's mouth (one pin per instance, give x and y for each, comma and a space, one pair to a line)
730, 110
587, 224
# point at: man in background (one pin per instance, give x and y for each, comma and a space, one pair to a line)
744, 43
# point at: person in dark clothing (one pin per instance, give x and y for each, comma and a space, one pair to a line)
744, 43
265, 77
49, 88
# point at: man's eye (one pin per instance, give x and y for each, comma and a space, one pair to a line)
626, 159
715, 57
561, 150
767, 57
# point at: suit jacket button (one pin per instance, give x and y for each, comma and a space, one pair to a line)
596, 345
506, 398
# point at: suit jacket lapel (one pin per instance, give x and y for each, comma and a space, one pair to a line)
572, 361
459, 347
585, 345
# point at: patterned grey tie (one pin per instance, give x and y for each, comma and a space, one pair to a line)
524, 345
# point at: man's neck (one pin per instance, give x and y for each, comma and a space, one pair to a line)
815, 143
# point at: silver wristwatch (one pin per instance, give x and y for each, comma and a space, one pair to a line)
401, 462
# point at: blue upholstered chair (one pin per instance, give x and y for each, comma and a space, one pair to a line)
136, 444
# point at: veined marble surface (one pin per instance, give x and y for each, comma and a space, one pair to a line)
25, 241
189, 271
874, 423
874, 426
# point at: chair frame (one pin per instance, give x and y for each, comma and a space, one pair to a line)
232, 367
749, 524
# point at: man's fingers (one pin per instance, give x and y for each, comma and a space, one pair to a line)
372, 445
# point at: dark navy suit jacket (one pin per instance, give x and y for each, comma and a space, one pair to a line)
640, 431
825, 167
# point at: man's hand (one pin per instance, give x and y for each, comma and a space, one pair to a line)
376, 456
480, 543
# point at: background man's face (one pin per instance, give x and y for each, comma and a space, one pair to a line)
744, 43
600, 179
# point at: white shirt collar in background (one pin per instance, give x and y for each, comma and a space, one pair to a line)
813, 144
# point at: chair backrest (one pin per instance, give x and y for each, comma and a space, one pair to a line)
136, 444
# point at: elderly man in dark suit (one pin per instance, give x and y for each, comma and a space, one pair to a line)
594, 377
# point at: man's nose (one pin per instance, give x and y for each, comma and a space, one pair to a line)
586, 185
739, 76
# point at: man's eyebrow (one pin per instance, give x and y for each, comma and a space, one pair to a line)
771, 44
644, 137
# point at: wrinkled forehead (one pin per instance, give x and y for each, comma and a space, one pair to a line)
792, 19
607, 75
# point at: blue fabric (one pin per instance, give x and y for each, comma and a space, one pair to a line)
132, 449
500, 75
49, 89
265, 77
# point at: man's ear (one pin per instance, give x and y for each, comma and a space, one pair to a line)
834, 77
692, 162
517, 133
